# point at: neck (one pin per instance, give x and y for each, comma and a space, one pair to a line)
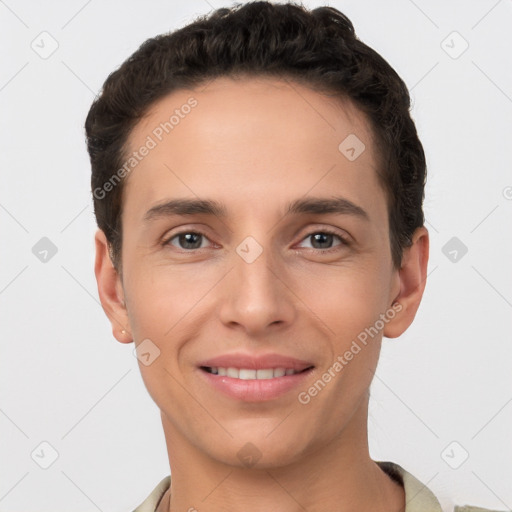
338, 476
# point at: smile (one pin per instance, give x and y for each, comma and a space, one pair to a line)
251, 374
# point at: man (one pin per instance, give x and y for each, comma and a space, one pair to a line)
258, 186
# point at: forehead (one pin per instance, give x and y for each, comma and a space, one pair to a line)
260, 137
222, 105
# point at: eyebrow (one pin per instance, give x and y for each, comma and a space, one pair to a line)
310, 205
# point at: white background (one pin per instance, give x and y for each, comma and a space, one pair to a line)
66, 381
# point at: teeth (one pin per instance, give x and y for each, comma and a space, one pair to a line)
279, 372
246, 374
265, 374
249, 374
233, 373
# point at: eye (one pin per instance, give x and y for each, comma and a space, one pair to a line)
187, 240
322, 240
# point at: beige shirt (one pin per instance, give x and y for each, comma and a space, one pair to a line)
418, 497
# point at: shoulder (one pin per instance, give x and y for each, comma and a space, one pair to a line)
418, 497
470, 508
151, 502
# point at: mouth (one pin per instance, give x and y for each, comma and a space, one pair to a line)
253, 374
264, 383
255, 377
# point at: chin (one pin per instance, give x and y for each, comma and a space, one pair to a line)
258, 451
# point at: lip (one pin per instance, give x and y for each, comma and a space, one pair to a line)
239, 360
255, 390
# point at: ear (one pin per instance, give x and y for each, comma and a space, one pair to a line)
110, 290
412, 278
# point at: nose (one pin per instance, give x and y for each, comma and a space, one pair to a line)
257, 299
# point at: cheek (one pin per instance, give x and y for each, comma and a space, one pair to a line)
162, 304
163, 299
347, 299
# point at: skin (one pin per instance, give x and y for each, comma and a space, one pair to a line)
255, 145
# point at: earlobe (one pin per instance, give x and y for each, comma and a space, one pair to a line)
412, 279
110, 290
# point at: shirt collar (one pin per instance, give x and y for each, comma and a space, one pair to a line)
418, 497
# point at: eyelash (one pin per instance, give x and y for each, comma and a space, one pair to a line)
326, 231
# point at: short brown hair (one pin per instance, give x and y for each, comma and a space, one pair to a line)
317, 48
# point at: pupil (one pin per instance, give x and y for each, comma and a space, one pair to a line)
188, 239
322, 236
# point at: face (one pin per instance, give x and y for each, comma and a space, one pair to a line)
282, 264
